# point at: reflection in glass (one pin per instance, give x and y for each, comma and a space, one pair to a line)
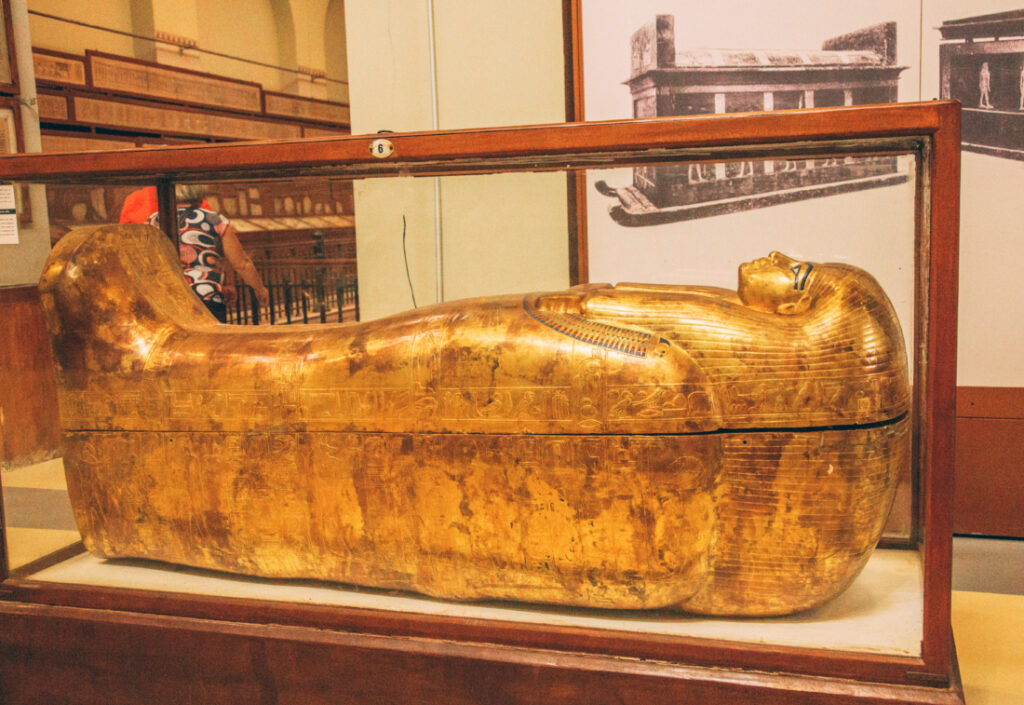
299, 233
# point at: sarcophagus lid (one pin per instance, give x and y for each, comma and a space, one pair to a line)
630, 446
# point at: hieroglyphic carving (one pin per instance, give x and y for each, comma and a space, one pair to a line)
67, 143
422, 406
52, 107
625, 340
116, 74
401, 510
61, 69
169, 120
556, 525
8, 132
303, 108
308, 131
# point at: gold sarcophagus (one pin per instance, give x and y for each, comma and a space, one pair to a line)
630, 446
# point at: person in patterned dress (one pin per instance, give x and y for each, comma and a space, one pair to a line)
205, 237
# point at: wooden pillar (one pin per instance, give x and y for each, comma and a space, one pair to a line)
167, 209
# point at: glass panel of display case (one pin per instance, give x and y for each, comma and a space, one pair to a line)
300, 236
697, 222
671, 237
713, 451
38, 519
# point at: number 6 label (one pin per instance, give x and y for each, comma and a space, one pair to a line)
382, 149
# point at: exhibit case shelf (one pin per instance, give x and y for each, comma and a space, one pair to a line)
725, 479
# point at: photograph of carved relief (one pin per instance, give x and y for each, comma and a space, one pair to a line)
689, 221
973, 51
981, 64
675, 70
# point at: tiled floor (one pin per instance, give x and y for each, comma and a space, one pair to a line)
988, 565
37, 512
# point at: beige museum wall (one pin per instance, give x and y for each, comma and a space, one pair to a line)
61, 36
287, 33
245, 28
22, 264
496, 64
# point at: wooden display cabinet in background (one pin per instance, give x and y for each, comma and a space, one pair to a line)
80, 643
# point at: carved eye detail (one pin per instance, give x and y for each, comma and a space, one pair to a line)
801, 271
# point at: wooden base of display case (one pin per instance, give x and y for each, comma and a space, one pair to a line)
52, 654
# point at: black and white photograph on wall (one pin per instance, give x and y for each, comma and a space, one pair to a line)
973, 51
855, 68
700, 60
982, 65
673, 57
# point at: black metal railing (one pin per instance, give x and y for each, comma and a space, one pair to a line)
300, 291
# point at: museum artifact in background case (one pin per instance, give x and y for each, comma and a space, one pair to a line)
155, 632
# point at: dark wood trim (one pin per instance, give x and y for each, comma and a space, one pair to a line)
50, 559
576, 186
63, 653
939, 422
142, 101
176, 69
89, 89
129, 142
572, 38
28, 390
79, 93
303, 99
989, 495
990, 402
27, 294
54, 92
167, 209
879, 668
578, 244
59, 54
901, 543
307, 99
11, 87
446, 151
922, 224
5, 568
575, 232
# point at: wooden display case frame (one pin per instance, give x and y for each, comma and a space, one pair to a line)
10, 87
71, 643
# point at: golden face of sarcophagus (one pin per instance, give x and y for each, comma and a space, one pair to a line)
630, 446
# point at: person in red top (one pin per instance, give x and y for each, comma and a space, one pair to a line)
141, 204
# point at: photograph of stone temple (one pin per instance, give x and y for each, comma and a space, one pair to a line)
857, 68
982, 65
